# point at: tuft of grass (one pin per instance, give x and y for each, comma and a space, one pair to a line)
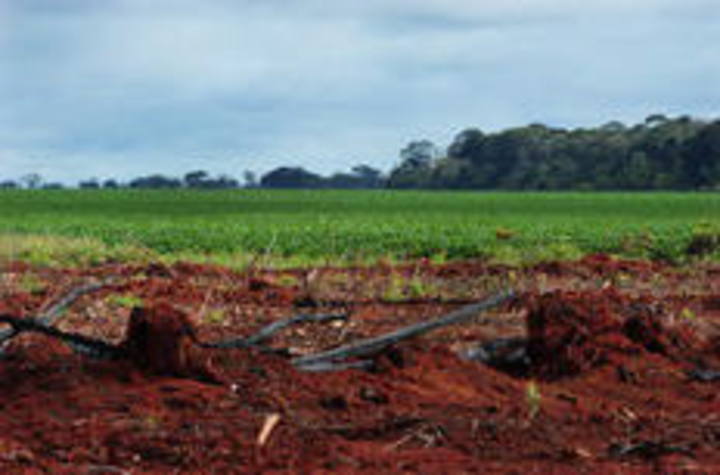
125, 300
395, 289
563, 250
51, 250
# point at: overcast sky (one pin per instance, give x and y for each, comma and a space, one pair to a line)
120, 88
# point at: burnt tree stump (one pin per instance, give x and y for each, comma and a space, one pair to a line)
161, 340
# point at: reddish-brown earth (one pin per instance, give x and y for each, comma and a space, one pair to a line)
618, 374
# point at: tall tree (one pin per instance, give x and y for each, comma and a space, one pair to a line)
416, 162
31, 180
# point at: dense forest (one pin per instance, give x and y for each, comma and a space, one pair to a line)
660, 153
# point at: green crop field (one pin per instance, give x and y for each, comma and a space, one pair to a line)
293, 227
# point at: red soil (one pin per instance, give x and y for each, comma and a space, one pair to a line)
609, 387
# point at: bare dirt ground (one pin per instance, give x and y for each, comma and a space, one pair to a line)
600, 365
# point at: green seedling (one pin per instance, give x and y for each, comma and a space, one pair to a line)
214, 317
533, 398
125, 300
687, 314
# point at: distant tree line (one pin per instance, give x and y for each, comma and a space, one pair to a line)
660, 153
360, 176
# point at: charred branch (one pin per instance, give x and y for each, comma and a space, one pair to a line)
44, 322
269, 330
324, 361
52, 314
79, 343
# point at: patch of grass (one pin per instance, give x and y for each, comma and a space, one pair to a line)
399, 288
554, 251
51, 250
417, 288
705, 239
31, 283
287, 280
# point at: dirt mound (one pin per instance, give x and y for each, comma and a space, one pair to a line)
571, 332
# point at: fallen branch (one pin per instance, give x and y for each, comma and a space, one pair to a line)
49, 316
78, 342
99, 349
327, 366
325, 360
269, 330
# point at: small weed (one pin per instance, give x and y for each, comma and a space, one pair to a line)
125, 300
395, 290
533, 398
31, 283
214, 317
687, 314
417, 288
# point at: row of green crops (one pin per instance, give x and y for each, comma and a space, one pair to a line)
367, 224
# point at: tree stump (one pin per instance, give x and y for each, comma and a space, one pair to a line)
160, 339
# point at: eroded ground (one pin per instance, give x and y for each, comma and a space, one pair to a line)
616, 372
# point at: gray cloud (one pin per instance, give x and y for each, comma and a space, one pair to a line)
124, 87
